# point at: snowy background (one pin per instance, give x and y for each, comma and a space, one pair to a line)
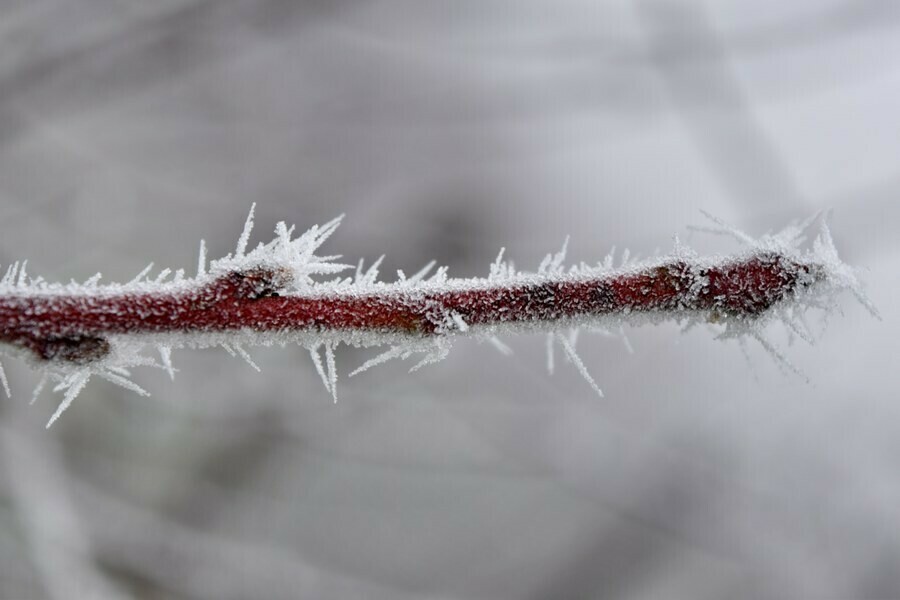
129, 130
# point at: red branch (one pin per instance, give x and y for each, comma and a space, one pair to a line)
74, 328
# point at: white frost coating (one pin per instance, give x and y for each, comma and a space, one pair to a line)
312, 274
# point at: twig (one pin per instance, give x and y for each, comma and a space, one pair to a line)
273, 294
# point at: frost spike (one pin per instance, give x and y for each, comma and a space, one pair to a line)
4, 381
245, 234
332, 369
141, 275
161, 276
39, 387
392, 352
22, 276
779, 357
327, 229
725, 229
10, 275
625, 340
73, 387
497, 265
500, 346
165, 355
122, 381
576, 360
201, 259
422, 273
550, 353
436, 354
317, 363
243, 354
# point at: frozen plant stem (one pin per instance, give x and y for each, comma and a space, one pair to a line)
269, 295
75, 327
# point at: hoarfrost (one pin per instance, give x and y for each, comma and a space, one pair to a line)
72, 386
302, 272
569, 347
5, 382
499, 345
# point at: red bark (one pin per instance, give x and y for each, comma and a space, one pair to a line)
73, 328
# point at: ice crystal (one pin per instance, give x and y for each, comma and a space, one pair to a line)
285, 292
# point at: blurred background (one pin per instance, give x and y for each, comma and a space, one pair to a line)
130, 130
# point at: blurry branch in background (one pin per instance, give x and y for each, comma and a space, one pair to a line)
274, 294
710, 101
59, 545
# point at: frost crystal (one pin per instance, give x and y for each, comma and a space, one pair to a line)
285, 292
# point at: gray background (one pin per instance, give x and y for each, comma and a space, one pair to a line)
129, 130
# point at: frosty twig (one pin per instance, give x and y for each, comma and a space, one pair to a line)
75, 327
274, 294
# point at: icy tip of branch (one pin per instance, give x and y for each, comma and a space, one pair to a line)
285, 292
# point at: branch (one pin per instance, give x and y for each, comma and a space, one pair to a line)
274, 295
